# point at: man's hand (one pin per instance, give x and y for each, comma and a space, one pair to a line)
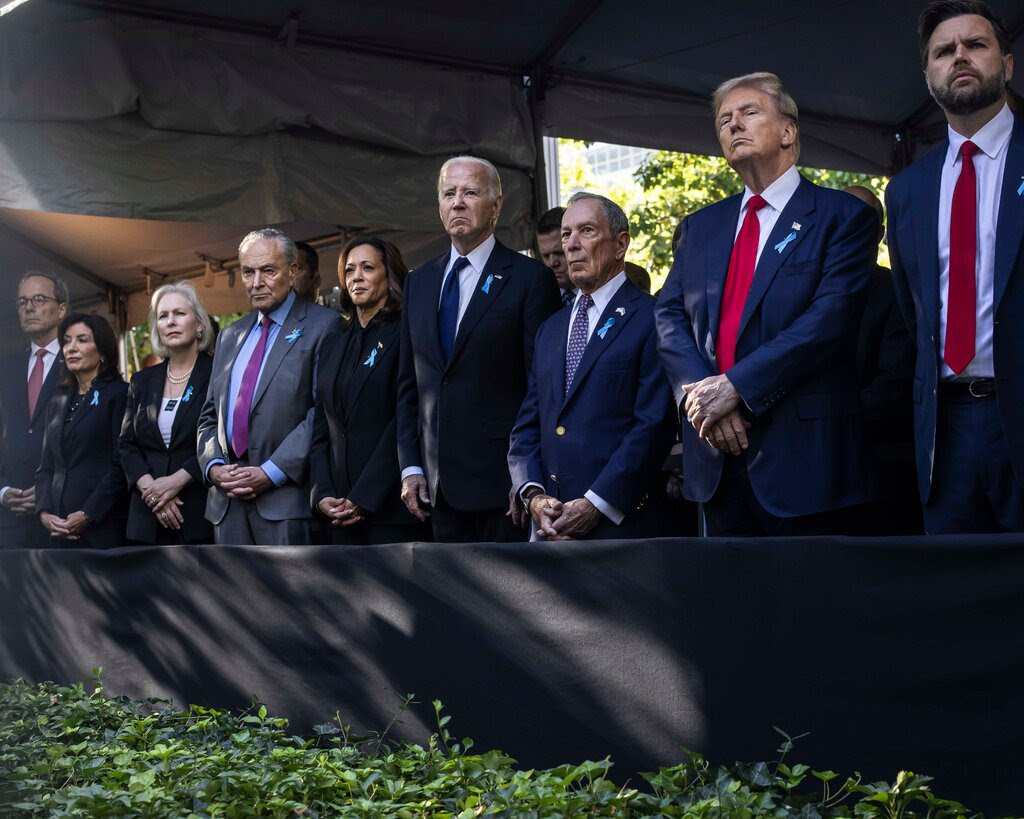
54, 524
415, 496
708, 401
341, 511
729, 434
577, 519
517, 510
242, 482
20, 501
545, 510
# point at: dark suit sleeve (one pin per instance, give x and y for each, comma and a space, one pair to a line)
407, 414
624, 479
814, 338
132, 459
894, 366
377, 480
899, 275
44, 474
680, 355
321, 485
207, 438
524, 453
542, 300
111, 487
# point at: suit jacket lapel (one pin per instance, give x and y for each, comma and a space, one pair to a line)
798, 209
186, 419
619, 311
423, 316
93, 394
154, 398
1010, 227
386, 339
282, 346
719, 253
924, 205
495, 271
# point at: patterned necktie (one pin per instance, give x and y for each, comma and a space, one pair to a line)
737, 283
961, 302
243, 401
578, 336
448, 312
35, 382
568, 297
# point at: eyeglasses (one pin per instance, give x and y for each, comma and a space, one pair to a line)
38, 300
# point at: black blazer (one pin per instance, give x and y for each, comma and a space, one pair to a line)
143, 451
80, 470
354, 453
454, 419
21, 438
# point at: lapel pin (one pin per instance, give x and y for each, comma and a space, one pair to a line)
605, 327
796, 226
370, 358
487, 284
380, 345
294, 334
187, 395
782, 245
620, 310
1020, 190
95, 398
497, 275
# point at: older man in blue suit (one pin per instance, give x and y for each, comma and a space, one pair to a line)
758, 330
956, 232
597, 421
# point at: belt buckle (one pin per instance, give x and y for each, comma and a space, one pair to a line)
972, 393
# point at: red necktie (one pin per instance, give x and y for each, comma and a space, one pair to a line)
737, 283
35, 382
961, 301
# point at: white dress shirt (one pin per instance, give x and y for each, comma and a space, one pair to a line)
468, 278
993, 142
776, 196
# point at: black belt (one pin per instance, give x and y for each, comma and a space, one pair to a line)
976, 388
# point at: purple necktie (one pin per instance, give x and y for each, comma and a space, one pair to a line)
243, 401
578, 336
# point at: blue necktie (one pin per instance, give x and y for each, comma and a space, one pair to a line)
448, 312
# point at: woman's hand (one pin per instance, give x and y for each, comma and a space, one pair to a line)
159, 492
55, 525
169, 514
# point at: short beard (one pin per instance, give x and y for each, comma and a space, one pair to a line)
963, 102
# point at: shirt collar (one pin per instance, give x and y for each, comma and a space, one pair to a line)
990, 139
478, 256
52, 348
777, 194
604, 293
280, 313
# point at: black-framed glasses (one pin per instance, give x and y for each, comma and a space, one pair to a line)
38, 300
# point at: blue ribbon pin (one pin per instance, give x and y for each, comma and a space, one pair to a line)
187, 395
370, 358
294, 334
1020, 190
605, 327
487, 284
782, 245
95, 398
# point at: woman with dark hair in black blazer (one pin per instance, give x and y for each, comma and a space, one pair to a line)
80, 486
158, 437
354, 474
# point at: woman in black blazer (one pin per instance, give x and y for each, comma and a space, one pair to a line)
354, 474
158, 437
80, 486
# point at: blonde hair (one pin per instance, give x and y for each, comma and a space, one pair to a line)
771, 85
187, 292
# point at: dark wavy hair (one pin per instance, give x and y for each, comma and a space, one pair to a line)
105, 340
394, 264
938, 11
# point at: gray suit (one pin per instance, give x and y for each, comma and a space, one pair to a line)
280, 427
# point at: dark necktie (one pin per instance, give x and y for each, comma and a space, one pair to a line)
578, 336
961, 302
243, 401
737, 283
35, 382
568, 297
448, 312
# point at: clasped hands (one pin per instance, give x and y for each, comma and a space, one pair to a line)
20, 501
341, 511
69, 528
562, 521
161, 496
712, 408
242, 482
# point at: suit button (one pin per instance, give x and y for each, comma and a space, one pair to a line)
559, 430
554, 478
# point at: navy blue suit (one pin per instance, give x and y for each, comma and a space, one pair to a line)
912, 198
454, 418
611, 432
794, 350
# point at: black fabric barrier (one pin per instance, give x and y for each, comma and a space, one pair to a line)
890, 653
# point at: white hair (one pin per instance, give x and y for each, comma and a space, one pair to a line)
493, 178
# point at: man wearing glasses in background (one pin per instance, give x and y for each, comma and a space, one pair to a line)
27, 381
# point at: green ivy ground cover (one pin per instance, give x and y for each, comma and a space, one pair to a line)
72, 751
